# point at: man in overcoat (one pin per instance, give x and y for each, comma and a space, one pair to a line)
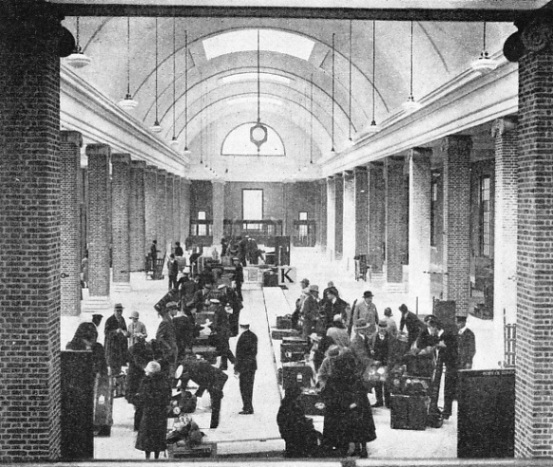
246, 366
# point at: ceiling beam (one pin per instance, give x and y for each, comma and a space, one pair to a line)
507, 14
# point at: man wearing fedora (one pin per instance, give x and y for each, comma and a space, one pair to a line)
365, 309
360, 343
309, 312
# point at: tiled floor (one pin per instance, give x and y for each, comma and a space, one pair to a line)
258, 433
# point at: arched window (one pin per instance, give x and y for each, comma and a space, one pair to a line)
238, 143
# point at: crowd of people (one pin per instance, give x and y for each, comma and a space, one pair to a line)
348, 342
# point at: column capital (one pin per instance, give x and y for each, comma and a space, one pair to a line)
138, 165
71, 137
186, 181
121, 158
347, 174
151, 168
394, 160
375, 165
361, 168
426, 152
504, 125
218, 181
535, 34
338, 175
457, 142
162, 172
95, 150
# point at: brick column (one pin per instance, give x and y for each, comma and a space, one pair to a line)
534, 398
161, 210
331, 216
218, 211
177, 224
137, 221
30, 220
323, 220
150, 207
505, 235
185, 206
338, 216
70, 155
361, 211
170, 211
396, 219
120, 208
99, 231
349, 220
420, 184
377, 215
456, 245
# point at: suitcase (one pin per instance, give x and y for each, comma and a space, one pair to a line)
270, 279
408, 412
207, 352
284, 322
312, 402
296, 340
296, 374
103, 405
292, 352
203, 316
119, 386
278, 334
180, 450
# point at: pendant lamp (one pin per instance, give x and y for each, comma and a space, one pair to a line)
332, 149
350, 69
258, 132
484, 64
373, 127
411, 104
311, 121
174, 142
78, 59
128, 103
186, 151
156, 128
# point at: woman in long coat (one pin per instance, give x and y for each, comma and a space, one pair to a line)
348, 416
153, 398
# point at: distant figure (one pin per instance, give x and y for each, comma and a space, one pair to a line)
246, 366
140, 354
172, 271
153, 398
238, 277
84, 271
467, 344
410, 321
185, 326
116, 334
136, 328
153, 254
179, 252
224, 246
391, 325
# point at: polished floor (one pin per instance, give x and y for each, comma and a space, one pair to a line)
257, 434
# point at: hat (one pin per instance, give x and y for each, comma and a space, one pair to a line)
222, 286
432, 320
333, 291
245, 323
367, 294
304, 281
314, 336
313, 288
403, 308
152, 367
461, 318
134, 314
215, 301
337, 317
387, 311
330, 284
171, 305
96, 319
118, 306
361, 324
382, 324
333, 351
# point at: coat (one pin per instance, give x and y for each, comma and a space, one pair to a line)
413, 324
166, 342
466, 349
185, 327
339, 307
139, 355
309, 313
385, 350
361, 348
116, 344
296, 429
153, 398
246, 353
365, 311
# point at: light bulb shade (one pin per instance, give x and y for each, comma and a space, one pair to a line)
174, 143
410, 105
156, 128
484, 64
78, 59
258, 134
187, 152
372, 128
128, 103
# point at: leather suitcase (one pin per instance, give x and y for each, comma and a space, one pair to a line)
207, 352
284, 322
296, 373
408, 412
292, 352
279, 334
203, 316
119, 386
270, 279
296, 340
312, 402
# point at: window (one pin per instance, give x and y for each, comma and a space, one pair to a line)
201, 215
202, 226
252, 207
303, 215
238, 143
270, 40
484, 215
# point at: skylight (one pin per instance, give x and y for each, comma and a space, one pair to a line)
270, 40
251, 76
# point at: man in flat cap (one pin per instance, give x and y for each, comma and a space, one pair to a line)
116, 345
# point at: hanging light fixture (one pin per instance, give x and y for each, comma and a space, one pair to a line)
373, 127
411, 104
174, 142
350, 68
311, 120
186, 151
156, 128
258, 132
332, 149
128, 103
78, 59
484, 64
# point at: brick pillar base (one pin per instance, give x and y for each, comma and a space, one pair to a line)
150, 207
377, 215
456, 248
361, 211
161, 210
30, 220
396, 220
120, 199
348, 227
99, 231
70, 153
137, 219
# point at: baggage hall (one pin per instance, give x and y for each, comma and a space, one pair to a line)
259, 231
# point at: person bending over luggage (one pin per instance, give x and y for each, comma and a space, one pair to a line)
295, 428
207, 377
85, 338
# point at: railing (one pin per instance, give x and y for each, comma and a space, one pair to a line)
261, 230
